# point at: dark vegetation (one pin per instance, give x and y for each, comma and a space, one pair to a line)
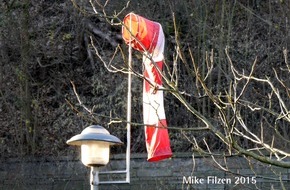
44, 50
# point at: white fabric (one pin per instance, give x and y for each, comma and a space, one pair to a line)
153, 106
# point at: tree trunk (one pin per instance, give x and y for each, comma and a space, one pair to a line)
26, 99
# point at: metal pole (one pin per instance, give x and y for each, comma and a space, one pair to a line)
128, 151
95, 178
128, 126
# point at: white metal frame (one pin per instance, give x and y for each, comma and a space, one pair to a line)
94, 171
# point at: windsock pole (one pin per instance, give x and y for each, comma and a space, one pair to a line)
129, 95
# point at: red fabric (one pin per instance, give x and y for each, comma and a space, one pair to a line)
150, 40
144, 30
157, 138
156, 75
157, 142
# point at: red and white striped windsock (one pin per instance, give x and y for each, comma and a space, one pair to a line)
148, 38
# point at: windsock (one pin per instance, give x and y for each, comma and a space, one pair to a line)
147, 37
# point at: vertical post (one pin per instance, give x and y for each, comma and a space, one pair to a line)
95, 178
128, 151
